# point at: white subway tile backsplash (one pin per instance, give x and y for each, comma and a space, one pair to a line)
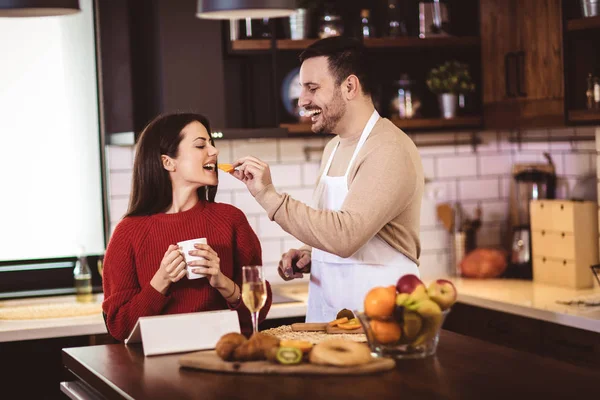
228, 182
119, 157
435, 239
291, 243
292, 150
263, 149
577, 164
243, 200
495, 165
271, 250
268, 229
540, 134
120, 183
453, 172
479, 189
310, 173
428, 167
118, 208
303, 195
286, 175
224, 196
456, 166
433, 265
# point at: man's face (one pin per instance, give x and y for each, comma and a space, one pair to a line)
320, 95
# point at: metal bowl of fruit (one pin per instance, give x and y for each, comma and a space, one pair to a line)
404, 321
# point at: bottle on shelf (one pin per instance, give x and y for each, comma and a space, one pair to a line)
365, 24
82, 276
396, 25
589, 93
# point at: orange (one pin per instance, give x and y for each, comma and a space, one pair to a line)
225, 167
301, 345
338, 321
386, 332
380, 301
349, 326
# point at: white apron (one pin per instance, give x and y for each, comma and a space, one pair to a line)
336, 282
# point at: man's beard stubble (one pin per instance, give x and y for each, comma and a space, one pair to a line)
332, 113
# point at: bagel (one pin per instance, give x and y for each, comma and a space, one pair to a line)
340, 353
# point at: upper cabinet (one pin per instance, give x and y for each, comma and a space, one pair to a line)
522, 63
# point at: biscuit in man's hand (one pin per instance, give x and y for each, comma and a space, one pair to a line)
226, 168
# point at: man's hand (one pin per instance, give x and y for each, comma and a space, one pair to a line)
293, 264
255, 173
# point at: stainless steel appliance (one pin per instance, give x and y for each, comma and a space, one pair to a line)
531, 182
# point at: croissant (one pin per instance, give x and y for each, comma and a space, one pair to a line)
227, 345
256, 348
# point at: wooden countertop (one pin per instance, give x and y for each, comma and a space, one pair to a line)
463, 368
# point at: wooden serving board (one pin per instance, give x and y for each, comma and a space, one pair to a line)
323, 327
209, 361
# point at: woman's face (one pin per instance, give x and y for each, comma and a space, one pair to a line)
196, 162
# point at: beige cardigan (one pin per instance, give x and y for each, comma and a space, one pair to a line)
384, 197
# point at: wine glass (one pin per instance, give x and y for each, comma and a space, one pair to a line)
254, 292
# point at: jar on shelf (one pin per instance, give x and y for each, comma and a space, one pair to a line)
331, 25
406, 101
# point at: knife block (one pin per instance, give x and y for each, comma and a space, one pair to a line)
564, 238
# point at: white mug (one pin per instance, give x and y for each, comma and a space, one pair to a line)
186, 246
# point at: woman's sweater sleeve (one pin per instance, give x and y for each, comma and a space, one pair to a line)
124, 299
247, 252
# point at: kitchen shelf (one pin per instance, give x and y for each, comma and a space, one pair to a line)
584, 115
251, 44
475, 121
449, 41
375, 43
581, 24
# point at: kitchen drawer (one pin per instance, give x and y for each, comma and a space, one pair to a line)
552, 215
573, 345
540, 213
557, 272
553, 244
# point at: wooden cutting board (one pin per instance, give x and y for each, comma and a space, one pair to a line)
322, 327
209, 361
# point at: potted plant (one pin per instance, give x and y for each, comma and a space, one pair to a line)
448, 81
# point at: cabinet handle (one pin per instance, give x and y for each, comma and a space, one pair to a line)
520, 61
507, 59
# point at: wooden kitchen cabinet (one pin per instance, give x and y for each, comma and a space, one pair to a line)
521, 55
572, 345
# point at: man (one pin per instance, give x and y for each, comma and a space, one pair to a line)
363, 227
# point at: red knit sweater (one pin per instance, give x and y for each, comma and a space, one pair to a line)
137, 247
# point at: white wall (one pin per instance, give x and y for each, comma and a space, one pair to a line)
456, 173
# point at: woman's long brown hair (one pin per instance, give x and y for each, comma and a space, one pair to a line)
152, 191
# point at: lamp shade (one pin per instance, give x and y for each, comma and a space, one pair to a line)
38, 8
239, 9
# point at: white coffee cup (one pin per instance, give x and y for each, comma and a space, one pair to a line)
186, 246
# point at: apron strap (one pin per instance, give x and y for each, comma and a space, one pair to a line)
363, 138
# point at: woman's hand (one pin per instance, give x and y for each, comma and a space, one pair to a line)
172, 269
210, 265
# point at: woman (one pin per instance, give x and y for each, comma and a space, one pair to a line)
174, 185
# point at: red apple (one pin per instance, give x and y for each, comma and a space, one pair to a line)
408, 284
443, 292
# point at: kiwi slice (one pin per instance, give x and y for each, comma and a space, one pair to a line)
289, 355
345, 313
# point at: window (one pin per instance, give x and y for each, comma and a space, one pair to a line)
51, 199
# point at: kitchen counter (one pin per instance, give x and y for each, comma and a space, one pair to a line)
31, 329
463, 368
524, 298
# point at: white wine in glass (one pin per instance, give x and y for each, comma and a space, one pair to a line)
254, 292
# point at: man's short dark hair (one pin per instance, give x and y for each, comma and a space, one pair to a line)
345, 56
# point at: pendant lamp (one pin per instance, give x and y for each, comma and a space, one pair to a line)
240, 9
38, 8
